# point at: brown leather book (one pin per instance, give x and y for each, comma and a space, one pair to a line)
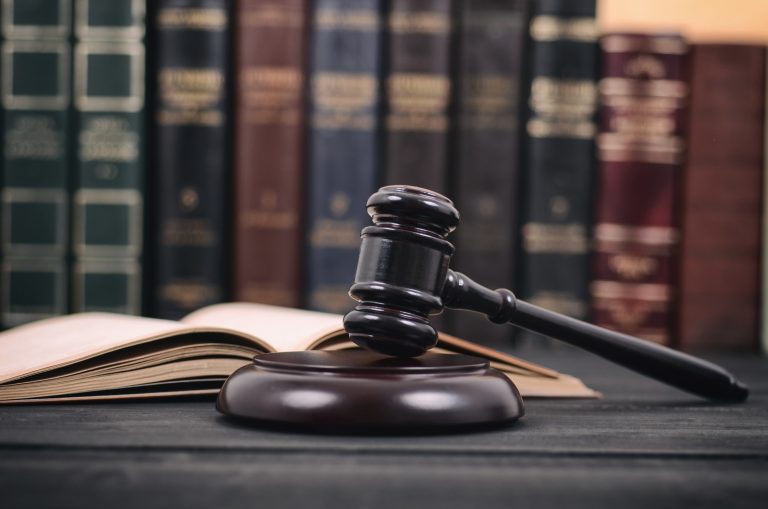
640, 151
722, 202
269, 153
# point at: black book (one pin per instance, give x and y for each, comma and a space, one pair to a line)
191, 46
490, 65
559, 155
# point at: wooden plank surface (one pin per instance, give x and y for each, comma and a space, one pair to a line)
642, 443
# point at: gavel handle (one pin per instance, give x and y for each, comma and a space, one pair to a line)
659, 362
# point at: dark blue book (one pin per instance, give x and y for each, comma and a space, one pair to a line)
191, 52
343, 142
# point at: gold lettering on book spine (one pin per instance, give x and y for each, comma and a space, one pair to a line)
489, 102
109, 138
192, 19
344, 101
418, 102
188, 232
555, 238
271, 16
191, 96
419, 22
562, 108
271, 95
632, 267
617, 43
34, 137
550, 28
331, 19
613, 239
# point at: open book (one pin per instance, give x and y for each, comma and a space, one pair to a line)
108, 356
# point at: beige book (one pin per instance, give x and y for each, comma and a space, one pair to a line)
101, 356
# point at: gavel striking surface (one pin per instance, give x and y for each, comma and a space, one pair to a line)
360, 391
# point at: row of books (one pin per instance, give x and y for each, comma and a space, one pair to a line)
612, 177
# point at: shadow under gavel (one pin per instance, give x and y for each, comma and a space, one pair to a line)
403, 276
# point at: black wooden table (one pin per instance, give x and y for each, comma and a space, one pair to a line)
643, 445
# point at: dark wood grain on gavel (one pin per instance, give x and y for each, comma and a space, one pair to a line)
403, 276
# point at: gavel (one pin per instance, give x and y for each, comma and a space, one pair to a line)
403, 277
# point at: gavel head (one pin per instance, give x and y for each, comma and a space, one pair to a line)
401, 271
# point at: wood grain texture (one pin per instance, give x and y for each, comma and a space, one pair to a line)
643, 444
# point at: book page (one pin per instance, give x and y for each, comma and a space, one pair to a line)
285, 329
40, 345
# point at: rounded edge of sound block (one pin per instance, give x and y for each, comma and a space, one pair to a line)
361, 391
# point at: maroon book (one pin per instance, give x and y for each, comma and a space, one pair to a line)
640, 151
722, 203
269, 153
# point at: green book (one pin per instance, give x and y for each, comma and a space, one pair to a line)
36, 99
107, 199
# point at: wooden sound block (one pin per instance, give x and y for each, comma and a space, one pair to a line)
360, 391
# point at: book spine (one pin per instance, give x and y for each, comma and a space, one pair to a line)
492, 36
722, 202
192, 60
418, 92
343, 143
108, 197
269, 155
644, 96
36, 67
559, 155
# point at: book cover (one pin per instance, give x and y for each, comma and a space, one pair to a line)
558, 146
418, 92
343, 143
269, 108
722, 199
641, 148
109, 156
190, 166
487, 151
36, 72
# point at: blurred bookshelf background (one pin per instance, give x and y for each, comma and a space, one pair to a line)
608, 157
